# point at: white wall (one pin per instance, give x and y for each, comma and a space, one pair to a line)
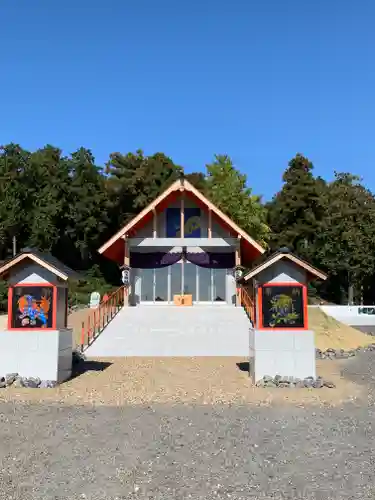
46, 354
283, 272
351, 315
31, 272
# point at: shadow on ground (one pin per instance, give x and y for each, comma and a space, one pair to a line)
88, 366
243, 366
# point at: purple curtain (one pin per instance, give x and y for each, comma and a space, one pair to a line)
211, 259
153, 260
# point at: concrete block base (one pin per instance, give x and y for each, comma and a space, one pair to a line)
46, 354
286, 353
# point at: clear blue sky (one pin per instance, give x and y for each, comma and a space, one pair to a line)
258, 80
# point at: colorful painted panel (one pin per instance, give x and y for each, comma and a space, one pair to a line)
282, 307
192, 227
32, 307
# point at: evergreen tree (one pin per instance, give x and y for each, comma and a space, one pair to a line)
226, 188
296, 212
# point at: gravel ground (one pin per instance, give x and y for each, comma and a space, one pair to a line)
181, 451
136, 381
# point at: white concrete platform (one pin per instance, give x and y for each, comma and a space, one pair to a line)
286, 353
212, 330
46, 354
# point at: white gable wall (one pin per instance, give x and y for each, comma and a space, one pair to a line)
29, 272
283, 271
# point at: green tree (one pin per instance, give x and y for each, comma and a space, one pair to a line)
46, 184
345, 246
86, 216
295, 213
226, 188
12, 197
135, 180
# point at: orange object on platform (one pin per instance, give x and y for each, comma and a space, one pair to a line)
183, 300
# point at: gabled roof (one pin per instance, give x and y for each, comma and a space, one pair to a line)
284, 253
45, 260
181, 186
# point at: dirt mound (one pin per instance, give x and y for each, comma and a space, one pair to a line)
331, 333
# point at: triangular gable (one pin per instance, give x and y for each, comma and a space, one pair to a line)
44, 260
288, 256
180, 185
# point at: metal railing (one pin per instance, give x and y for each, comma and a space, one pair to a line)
99, 318
248, 304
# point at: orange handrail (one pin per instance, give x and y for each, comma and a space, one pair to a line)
97, 319
248, 304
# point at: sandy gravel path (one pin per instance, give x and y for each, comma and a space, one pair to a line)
122, 381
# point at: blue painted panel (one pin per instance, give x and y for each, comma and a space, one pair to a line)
192, 223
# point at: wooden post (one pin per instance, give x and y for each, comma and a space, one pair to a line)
182, 212
126, 251
238, 263
126, 264
154, 224
209, 223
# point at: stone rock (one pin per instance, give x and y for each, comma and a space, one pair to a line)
31, 383
308, 382
328, 384
286, 380
260, 383
10, 378
270, 384
47, 384
19, 382
35, 380
318, 384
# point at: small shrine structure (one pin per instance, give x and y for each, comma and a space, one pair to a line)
37, 341
280, 340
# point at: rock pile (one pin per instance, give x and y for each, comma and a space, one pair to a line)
294, 383
14, 380
341, 353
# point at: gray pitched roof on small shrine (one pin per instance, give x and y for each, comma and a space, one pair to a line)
284, 251
53, 261
48, 259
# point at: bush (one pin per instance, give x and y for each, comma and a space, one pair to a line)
80, 291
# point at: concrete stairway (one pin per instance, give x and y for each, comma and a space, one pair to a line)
174, 331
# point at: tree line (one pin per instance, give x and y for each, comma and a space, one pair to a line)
69, 205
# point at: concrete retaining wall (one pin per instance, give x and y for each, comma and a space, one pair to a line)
287, 353
37, 353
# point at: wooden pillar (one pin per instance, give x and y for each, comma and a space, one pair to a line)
238, 263
126, 264
209, 223
154, 224
182, 213
126, 252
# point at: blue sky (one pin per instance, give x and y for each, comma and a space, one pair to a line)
257, 80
